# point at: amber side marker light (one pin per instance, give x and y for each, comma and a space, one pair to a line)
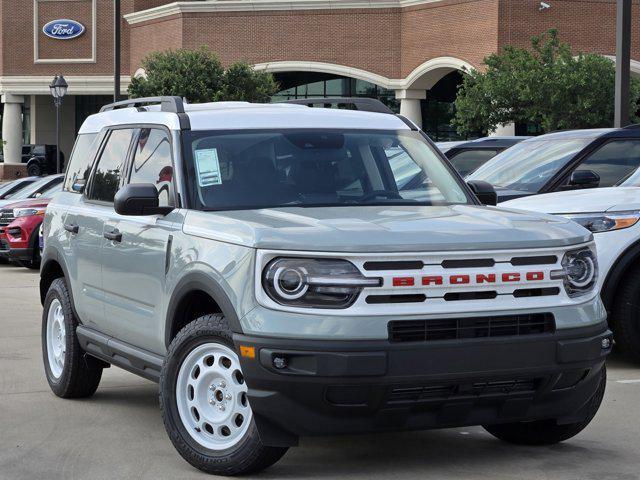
247, 352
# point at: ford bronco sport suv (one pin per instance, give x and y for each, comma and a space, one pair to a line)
270, 266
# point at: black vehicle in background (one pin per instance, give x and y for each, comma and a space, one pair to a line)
567, 160
40, 159
467, 157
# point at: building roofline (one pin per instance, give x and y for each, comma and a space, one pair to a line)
209, 6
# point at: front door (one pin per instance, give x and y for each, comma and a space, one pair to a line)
136, 249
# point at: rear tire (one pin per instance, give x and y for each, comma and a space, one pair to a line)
204, 404
34, 169
548, 432
71, 373
625, 321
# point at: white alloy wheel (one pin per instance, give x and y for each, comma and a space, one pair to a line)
211, 397
56, 338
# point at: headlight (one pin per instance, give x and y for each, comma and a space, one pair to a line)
606, 222
579, 271
314, 283
28, 212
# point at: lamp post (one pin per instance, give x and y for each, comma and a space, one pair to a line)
58, 90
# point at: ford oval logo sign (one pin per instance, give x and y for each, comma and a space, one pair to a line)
63, 29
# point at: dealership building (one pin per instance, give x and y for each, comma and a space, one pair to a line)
412, 54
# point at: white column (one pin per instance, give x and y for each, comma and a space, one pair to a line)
410, 104
505, 130
12, 127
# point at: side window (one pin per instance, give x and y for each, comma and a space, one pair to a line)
82, 156
106, 179
152, 162
613, 161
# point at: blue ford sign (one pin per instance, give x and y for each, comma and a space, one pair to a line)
64, 29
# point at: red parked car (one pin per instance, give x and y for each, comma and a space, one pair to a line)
19, 226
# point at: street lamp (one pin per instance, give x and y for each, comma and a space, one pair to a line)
58, 90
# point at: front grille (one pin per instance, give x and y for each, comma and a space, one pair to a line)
465, 328
443, 392
6, 217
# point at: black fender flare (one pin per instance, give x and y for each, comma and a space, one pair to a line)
208, 284
620, 268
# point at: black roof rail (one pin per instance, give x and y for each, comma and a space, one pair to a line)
633, 126
362, 104
172, 104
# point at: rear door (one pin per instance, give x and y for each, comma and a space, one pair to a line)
136, 258
85, 222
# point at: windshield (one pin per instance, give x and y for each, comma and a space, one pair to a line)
36, 187
266, 169
529, 165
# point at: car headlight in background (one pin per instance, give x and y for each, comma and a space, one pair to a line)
579, 271
314, 283
28, 212
606, 222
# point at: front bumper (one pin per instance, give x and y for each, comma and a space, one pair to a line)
337, 387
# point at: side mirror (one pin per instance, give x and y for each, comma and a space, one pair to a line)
584, 179
484, 191
78, 185
139, 199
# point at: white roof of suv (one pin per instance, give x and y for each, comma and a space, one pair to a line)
244, 115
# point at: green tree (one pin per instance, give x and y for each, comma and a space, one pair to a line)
198, 76
547, 85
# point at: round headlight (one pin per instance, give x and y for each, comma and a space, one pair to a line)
581, 271
290, 283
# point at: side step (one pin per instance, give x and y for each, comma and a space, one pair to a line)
136, 360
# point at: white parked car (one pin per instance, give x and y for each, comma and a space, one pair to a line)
613, 215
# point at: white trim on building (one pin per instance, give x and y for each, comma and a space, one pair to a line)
209, 6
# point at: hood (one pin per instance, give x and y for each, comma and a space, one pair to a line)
385, 229
591, 200
32, 202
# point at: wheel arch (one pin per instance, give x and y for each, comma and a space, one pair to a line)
197, 287
625, 262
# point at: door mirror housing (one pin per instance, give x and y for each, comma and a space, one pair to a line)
584, 179
78, 185
484, 191
139, 199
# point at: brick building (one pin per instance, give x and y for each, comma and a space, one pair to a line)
410, 53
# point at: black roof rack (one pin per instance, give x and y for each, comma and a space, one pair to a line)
362, 104
167, 104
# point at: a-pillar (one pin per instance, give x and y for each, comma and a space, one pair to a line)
410, 104
12, 127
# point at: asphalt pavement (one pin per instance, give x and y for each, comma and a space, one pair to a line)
118, 433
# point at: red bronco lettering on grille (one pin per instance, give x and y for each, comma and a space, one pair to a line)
463, 279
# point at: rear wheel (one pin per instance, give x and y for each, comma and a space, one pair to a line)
34, 169
548, 432
71, 373
204, 403
625, 320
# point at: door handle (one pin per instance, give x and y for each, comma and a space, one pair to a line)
71, 228
114, 235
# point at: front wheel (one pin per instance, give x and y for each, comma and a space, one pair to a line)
548, 432
34, 169
204, 403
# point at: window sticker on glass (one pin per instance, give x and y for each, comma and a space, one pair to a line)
208, 167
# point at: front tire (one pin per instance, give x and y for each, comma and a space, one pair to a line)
625, 321
71, 373
548, 432
203, 399
34, 169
